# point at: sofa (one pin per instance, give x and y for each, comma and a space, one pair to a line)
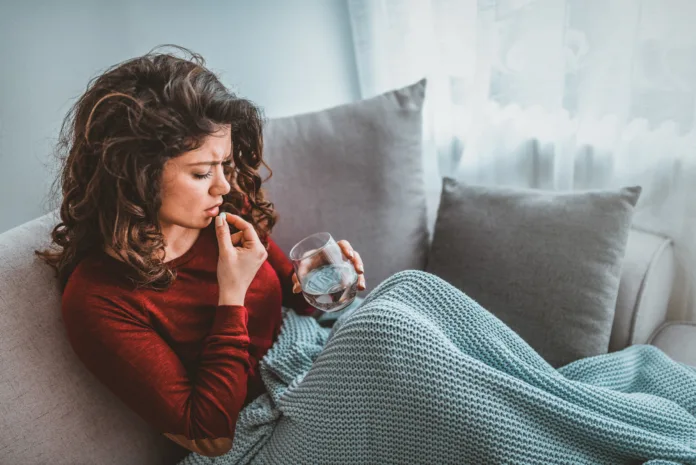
55, 412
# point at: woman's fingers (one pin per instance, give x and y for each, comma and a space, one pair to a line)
295, 284
237, 238
357, 262
352, 254
346, 248
249, 238
361, 271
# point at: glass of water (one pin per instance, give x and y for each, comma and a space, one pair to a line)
328, 279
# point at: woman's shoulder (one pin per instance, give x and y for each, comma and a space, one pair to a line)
98, 269
96, 287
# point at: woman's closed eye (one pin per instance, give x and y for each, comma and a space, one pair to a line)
227, 164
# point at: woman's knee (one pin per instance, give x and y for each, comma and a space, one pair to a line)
414, 276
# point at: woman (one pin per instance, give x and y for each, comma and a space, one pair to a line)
165, 307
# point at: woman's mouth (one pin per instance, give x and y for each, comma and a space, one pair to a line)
213, 211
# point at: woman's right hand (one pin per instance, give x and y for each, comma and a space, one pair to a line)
240, 256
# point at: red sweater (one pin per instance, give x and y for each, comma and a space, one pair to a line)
184, 364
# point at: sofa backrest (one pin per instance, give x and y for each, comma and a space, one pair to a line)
647, 280
53, 410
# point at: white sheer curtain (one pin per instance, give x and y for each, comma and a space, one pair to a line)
553, 94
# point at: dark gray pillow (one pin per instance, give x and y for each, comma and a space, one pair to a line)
356, 171
548, 264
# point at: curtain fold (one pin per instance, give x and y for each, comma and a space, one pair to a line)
551, 94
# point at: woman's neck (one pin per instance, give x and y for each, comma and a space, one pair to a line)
172, 249
180, 244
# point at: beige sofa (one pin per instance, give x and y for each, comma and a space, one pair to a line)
54, 412
365, 158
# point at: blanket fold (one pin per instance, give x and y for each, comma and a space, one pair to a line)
420, 373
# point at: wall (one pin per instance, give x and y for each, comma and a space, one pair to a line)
287, 56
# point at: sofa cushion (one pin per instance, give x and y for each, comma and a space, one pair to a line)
678, 340
647, 279
355, 171
52, 410
546, 263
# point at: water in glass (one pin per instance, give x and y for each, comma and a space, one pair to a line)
330, 287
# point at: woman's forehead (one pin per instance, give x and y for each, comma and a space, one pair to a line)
214, 148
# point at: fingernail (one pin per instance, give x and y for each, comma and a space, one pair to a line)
218, 220
360, 268
350, 254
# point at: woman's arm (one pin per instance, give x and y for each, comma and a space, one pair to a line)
124, 352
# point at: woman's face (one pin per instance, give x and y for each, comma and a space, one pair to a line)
195, 181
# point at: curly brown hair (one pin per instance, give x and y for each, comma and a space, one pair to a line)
112, 148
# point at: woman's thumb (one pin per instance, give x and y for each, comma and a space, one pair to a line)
223, 233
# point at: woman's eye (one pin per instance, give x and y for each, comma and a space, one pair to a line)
225, 165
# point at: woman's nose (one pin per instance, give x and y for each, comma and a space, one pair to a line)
221, 186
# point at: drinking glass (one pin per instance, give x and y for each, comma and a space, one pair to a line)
328, 279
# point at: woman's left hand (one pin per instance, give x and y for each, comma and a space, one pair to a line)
352, 255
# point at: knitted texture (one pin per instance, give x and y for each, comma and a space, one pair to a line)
422, 374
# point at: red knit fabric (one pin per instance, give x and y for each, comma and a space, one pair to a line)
183, 363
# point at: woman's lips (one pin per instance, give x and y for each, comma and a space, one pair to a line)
213, 211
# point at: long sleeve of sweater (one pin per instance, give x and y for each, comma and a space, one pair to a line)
119, 346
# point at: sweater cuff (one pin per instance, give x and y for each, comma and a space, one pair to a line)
230, 319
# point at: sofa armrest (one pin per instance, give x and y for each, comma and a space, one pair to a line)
678, 340
647, 278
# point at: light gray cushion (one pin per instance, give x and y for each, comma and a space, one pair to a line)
548, 264
678, 340
355, 171
52, 410
647, 279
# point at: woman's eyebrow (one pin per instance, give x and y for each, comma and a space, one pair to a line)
211, 163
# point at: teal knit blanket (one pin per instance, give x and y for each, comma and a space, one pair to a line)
420, 373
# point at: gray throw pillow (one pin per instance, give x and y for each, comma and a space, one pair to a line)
548, 264
355, 171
